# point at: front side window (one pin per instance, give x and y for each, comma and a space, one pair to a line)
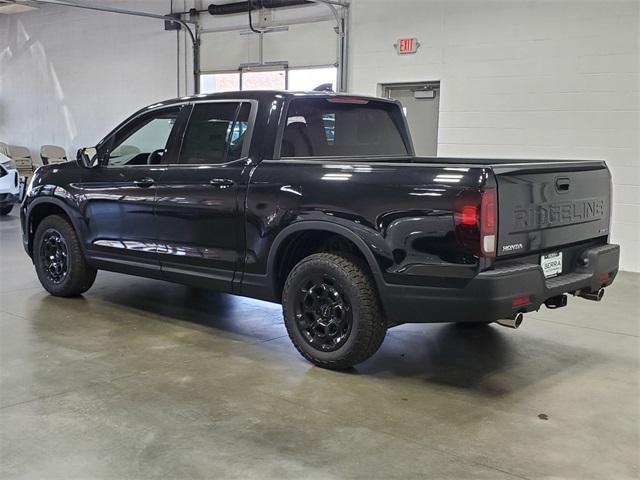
216, 133
143, 142
343, 126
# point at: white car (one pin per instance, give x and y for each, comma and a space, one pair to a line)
11, 185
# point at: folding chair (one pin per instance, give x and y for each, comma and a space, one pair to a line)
52, 154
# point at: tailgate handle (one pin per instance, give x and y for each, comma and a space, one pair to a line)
562, 185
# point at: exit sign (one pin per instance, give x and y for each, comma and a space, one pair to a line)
407, 45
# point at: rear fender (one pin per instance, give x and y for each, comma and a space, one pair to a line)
347, 233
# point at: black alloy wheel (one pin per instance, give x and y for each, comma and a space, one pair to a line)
323, 313
54, 255
60, 263
332, 310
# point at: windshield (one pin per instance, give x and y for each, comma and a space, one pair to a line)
344, 126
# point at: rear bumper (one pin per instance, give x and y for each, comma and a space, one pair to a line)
490, 295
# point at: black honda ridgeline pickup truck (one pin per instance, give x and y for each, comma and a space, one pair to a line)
317, 201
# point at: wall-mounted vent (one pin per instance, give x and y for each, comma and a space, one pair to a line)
8, 7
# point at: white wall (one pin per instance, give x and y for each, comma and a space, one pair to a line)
520, 79
68, 76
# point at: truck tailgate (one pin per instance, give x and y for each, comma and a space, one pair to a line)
545, 205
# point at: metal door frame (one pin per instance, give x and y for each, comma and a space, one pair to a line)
384, 89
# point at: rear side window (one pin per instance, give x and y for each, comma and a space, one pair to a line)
216, 133
320, 127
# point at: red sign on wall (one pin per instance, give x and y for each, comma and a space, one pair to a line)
407, 45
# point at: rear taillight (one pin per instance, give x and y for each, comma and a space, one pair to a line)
476, 220
610, 212
489, 222
469, 215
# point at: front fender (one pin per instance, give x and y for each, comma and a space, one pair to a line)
50, 199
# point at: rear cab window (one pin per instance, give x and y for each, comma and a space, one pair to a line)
343, 127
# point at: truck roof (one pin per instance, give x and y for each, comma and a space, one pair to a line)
266, 95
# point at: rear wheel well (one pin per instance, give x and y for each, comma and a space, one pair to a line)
39, 213
302, 244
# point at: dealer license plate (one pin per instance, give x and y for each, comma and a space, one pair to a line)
551, 264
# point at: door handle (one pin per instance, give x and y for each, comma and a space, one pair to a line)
145, 182
562, 185
221, 182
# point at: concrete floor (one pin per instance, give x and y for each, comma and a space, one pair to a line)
145, 379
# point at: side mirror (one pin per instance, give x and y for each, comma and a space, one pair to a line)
88, 157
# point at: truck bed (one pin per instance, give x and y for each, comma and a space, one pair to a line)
543, 203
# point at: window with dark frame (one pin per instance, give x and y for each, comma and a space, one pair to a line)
215, 133
336, 127
149, 134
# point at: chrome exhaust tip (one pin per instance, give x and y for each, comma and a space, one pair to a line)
590, 295
513, 322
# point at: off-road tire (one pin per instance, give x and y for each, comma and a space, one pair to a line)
79, 275
368, 325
